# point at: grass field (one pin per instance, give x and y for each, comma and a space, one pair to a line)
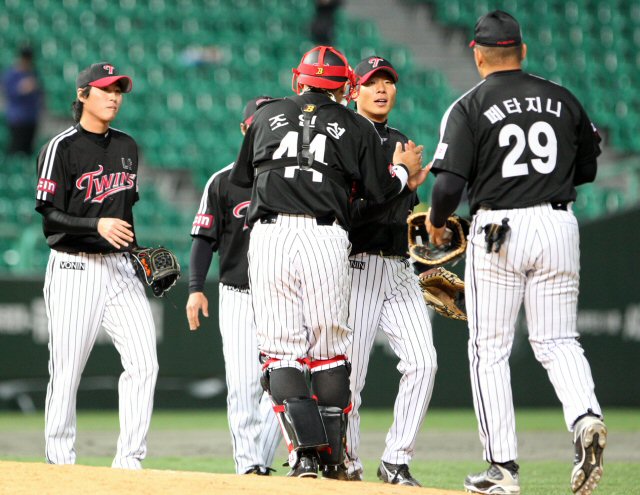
538, 477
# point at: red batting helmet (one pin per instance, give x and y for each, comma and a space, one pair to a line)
322, 67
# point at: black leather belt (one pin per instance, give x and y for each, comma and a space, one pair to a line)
382, 252
273, 218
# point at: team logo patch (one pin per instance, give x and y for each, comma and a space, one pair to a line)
72, 265
109, 69
309, 108
357, 265
127, 164
202, 220
320, 71
47, 186
374, 61
441, 150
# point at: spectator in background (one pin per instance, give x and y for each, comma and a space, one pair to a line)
24, 101
323, 21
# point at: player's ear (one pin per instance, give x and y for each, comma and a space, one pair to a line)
80, 94
243, 128
524, 52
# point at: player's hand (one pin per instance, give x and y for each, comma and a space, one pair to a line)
410, 156
197, 301
116, 231
414, 182
438, 236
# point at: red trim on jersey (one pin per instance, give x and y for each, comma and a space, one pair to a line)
279, 408
348, 409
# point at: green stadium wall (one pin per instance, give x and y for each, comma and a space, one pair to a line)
192, 368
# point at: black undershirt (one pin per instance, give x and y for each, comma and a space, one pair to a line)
201, 256
447, 191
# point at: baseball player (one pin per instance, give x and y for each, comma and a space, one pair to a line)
302, 155
220, 226
522, 144
87, 186
385, 294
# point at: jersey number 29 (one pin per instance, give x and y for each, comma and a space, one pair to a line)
546, 153
289, 145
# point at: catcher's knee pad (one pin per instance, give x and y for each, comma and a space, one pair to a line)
301, 423
331, 385
335, 425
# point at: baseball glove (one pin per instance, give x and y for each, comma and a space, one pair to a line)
444, 292
426, 253
156, 267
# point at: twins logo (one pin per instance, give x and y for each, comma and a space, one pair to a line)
98, 188
239, 212
374, 61
109, 68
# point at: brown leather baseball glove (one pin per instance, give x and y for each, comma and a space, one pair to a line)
421, 249
444, 292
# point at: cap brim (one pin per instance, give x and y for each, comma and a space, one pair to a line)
364, 78
127, 83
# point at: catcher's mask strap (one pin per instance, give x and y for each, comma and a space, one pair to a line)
305, 157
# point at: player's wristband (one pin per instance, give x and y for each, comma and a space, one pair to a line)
401, 171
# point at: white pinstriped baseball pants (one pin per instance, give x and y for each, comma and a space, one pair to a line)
539, 264
299, 273
83, 292
385, 295
255, 431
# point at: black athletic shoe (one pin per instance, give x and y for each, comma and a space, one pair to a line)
306, 467
496, 479
590, 439
259, 470
339, 472
396, 474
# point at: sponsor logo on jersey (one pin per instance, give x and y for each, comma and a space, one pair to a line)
357, 265
238, 212
47, 186
72, 265
100, 187
202, 220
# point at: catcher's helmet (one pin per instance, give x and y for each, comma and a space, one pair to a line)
322, 67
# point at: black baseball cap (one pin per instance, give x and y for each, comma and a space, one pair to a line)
370, 65
101, 75
497, 28
251, 107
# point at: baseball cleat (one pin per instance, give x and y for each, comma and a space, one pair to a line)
495, 480
589, 439
340, 472
396, 474
306, 467
259, 470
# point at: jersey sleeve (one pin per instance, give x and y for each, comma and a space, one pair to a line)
454, 152
52, 182
242, 173
208, 220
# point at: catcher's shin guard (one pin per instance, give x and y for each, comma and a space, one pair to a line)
335, 425
301, 424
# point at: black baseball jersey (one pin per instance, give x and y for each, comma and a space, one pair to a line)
382, 227
340, 139
518, 140
90, 176
221, 219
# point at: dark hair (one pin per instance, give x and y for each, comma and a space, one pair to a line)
496, 55
77, 106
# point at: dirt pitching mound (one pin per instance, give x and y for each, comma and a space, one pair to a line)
28, 478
